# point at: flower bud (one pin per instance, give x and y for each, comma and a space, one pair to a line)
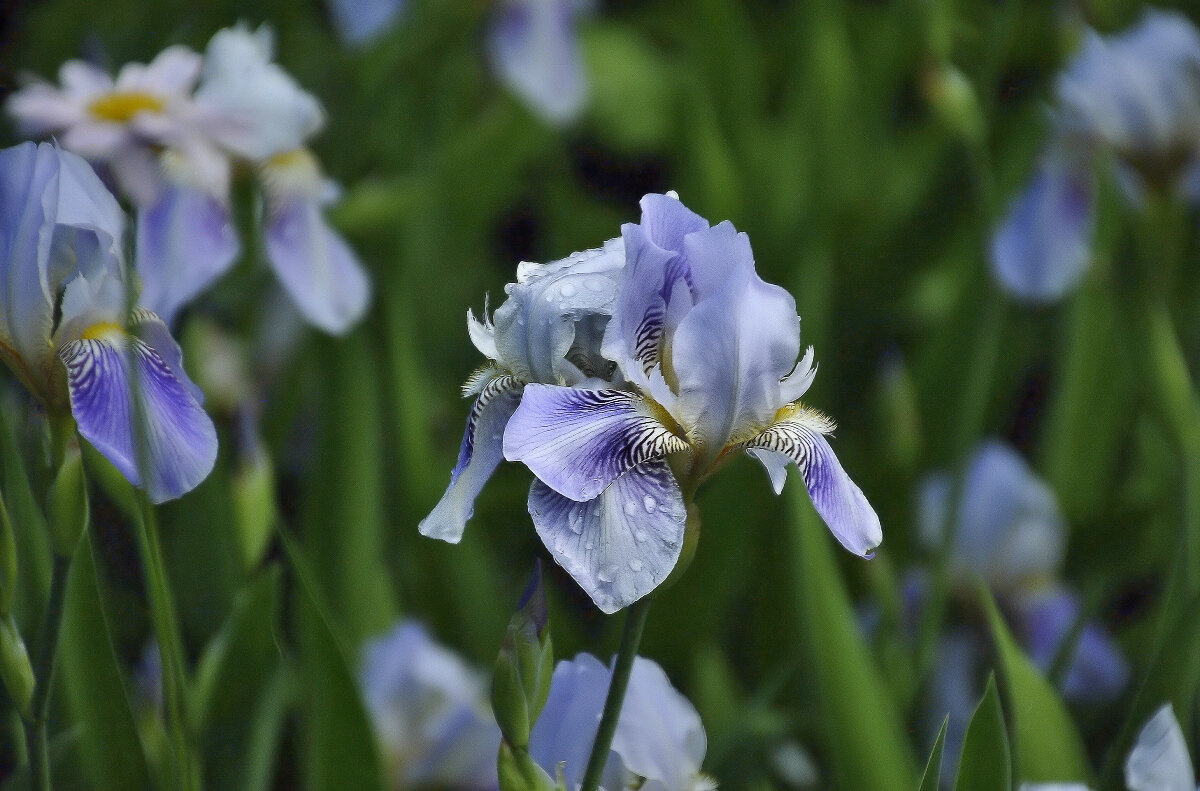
518, 772
15, 669
523, 669
254, 506
953, 101
67, 509
8, 562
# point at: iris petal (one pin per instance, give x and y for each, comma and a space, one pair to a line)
316, 266
621, 545
579, 441
837, 499
481, 452
1159, 760
181, 442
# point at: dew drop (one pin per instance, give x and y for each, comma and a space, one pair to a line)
589, 546
595, 283
649, 503
631, 507
640, 535
607, 573
636, 565
567, 290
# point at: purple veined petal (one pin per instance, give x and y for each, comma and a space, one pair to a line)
316, 266
185, 241
154, 332
733, 348
360, 21
659, 734
1044, 245
181, 442
578, 441
1159, 759
534, 49
1098, 672
623, 544
481, 451
837, 499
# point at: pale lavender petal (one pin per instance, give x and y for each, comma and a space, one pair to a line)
534, 49
1159, 759
185, 242
481, 451
360, 21
621, 545
316, 267
566, 728
776, 465
837, 499
181, 442
733, 348
1044, 245
659, 734
1097, 672
579, 441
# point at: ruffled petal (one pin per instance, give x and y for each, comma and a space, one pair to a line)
579, 441
533, 48
1159, 759
837, 499
316, 266
181, 442
481, 452
1044, 245
185, 241
733, 348
621, 545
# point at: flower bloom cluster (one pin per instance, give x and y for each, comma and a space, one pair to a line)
430, 713
67, 332
172, 133
1136, 96
613, 371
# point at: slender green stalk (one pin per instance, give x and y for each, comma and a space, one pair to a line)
43, 669
631, 638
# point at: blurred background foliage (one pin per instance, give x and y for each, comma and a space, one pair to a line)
868, 148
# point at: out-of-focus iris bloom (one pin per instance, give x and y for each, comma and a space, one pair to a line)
1158, 761
1135, 95
172, 133
659, 743
1009, 532
706, 356
430, 713
63, 326
359, 22
535, 50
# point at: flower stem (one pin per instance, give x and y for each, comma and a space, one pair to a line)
170, 644
35, 731
631, 638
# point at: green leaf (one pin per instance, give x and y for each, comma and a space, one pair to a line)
90, 677
986, 764
1047, 746
931, 780
864, 737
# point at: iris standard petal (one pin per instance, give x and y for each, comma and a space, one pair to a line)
1159, 759
733, 348
621, 545
317, 268
533, 49
185, 241
1097, 671
1044, 245
181, 442
481, 451
837, 499
579, 441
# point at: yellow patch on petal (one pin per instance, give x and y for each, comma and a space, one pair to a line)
291, 174
123, 106
104, 331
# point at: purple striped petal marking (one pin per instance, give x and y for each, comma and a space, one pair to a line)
579, 441
620, 546
181, 442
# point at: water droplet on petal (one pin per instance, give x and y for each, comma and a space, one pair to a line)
595, 283
567, 290
631, 508
640, 535
636, 565
607, 573
649, 503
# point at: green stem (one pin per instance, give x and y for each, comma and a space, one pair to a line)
43, 669
631, 638
170, 644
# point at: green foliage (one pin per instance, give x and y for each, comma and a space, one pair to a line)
521, 678
986, 763
932, 777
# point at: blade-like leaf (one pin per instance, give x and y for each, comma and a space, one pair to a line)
986, 763
933, 767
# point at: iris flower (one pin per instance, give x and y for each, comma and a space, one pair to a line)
663, 344
659, 742
1135, 95
63, 327
534, 49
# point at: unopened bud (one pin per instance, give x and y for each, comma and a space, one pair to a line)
524, 668
254, 506
518, 772
67, 509
15, 669
953, 100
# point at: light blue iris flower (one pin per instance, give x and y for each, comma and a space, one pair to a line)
430, 713
534, 49
63, 328
663, 343
659, 743
359, 22
1136, 95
